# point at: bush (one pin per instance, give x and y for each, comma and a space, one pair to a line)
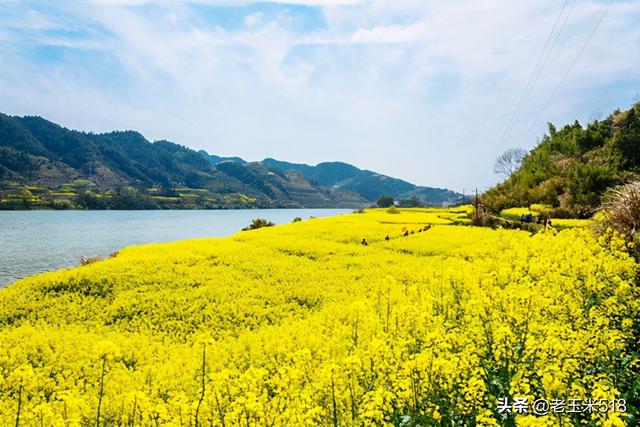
91, 200
62, 204
413, 202
129, 198
258, 223
571, 212
385, 201
622, 210
297, 219
393, 210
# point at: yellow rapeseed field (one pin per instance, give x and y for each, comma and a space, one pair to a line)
304, 325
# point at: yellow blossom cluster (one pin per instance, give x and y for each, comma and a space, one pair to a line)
303, 324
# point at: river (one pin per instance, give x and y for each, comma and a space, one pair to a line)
36, 241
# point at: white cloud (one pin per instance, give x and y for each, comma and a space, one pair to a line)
390, 34
420, 90
253, 19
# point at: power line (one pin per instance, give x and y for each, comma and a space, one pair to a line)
555, 41
566, 74
536, 72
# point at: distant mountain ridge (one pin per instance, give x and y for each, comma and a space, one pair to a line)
217, 159
369, 185
42, 163
343, 176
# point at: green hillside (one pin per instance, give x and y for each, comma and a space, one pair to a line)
572, 167
369, 185
44, 165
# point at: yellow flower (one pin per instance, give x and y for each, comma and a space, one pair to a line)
301, 324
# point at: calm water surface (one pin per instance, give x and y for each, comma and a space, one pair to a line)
35, 241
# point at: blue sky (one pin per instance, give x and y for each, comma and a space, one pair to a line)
421, 90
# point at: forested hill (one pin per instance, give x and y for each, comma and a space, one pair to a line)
45, 165
572, 167
345, 177
367, 184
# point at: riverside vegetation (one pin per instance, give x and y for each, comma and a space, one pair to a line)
46, 166
302, 324
572, 167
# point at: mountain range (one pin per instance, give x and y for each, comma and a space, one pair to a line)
44, 164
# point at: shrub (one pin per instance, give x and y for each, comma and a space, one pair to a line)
484, 219
62, 204
91, 200
393, 210
622, 210
258, 223
413, 202
563, 213
297, 219
571, 212
385, 201
131, 199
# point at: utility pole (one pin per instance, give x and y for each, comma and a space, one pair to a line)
476, 204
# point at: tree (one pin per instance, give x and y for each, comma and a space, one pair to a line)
128, 198
91, 200
26, 194
509, 161
413, 202
627, 140
385, 201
